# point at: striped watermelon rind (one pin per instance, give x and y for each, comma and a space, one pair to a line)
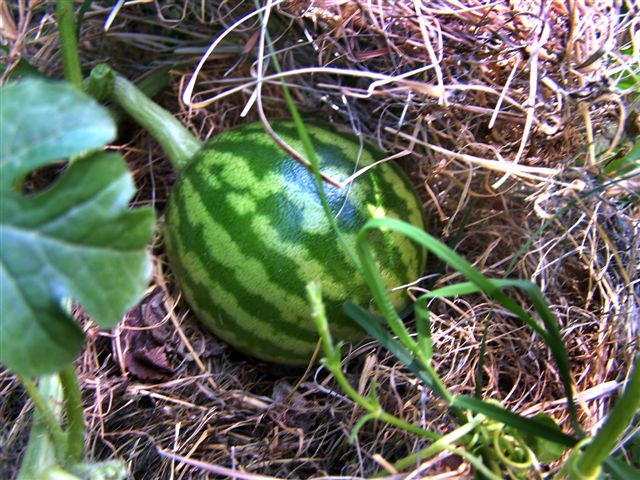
245, 233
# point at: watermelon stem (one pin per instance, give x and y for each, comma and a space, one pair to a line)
177, 142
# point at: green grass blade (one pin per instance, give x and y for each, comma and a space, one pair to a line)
423, 328
308, 148
84, 8
372, 325
523, 424
447, 255
492, 288
618, 470
551, 334
376, 286
619, 418
479, 375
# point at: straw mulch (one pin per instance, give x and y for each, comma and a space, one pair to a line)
501, 113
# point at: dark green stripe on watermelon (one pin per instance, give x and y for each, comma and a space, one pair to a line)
213, 314
246, 232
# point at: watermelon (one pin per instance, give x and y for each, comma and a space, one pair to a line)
246, 231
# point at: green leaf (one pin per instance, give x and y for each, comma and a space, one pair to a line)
42, 122
76, 240
21, 69
546, 451
625, 164
628, 80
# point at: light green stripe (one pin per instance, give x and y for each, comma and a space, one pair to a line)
264, 231
237, 173
230, 303
226, 251
307, 268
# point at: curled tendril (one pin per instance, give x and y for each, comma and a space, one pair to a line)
512, 451
500, 445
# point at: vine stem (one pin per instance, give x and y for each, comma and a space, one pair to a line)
47, 416
75, 415
68, 43
332, 362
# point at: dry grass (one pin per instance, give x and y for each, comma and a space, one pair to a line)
500, 112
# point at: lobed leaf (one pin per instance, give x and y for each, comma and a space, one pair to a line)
42, 122
76, 240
